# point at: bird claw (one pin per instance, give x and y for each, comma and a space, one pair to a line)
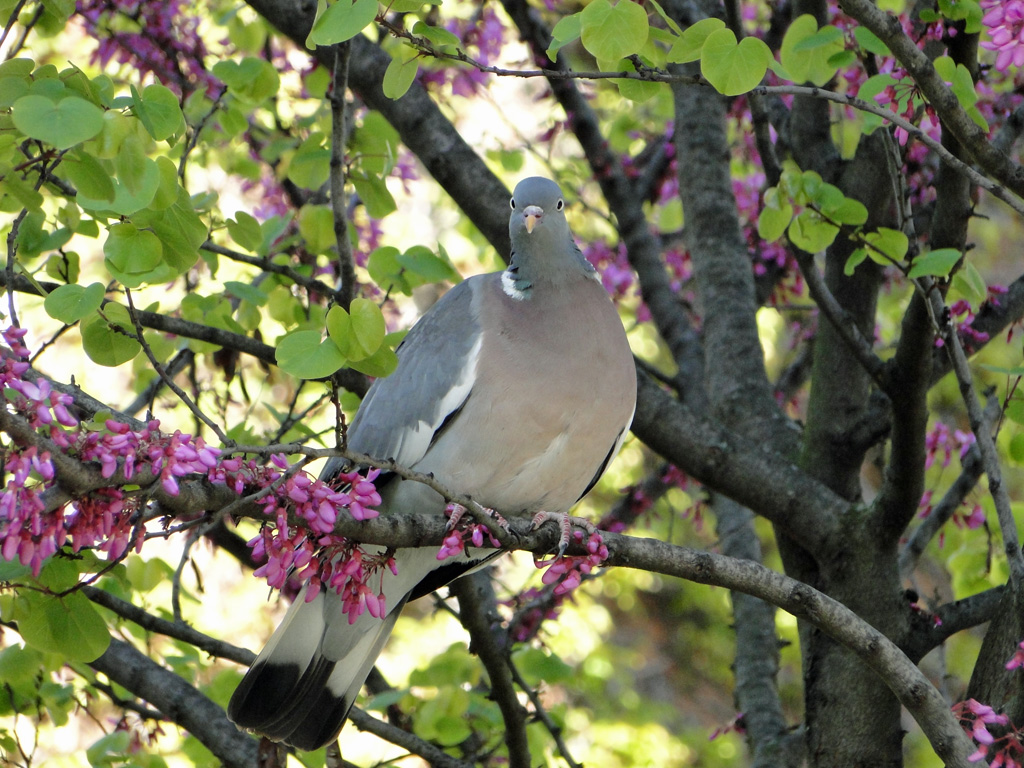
458, 511
566, 523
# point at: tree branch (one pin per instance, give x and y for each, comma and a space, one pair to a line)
179, 701
478, 614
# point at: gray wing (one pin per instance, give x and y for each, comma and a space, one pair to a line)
401, 414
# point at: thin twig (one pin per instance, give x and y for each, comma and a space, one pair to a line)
167, 379
650, 74
982, 428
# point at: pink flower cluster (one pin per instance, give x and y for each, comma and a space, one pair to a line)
566, 572
32, 527
1005, 22
158, 37
975, 718
482, 36
941, 442
562, 576
311, 552
1017, 660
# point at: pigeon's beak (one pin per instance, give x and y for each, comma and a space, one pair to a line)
532, 214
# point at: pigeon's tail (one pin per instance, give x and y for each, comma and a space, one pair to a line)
301, 687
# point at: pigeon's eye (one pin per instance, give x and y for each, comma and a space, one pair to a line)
560, 204
512, 202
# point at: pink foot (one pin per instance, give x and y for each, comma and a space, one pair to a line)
566, 522
457, 512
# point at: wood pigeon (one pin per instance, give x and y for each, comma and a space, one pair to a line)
516, 389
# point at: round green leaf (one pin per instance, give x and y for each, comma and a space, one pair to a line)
424, 263
159, 111
772, 222
400, 73
381, 363
103, 344
70, 626
613, 32
733, 68
132, 254
564, 32
688, 47
810, 233
316, 225
342, 21
938, 263
70, 303
339, 328
88, 176
368, 328
806, 50
125, 202
245, 230
305, 355
63, 124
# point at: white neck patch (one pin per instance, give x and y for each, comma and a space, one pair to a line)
508, 285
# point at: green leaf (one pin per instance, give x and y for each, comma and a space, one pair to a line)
870, 42
245, 230
890, 242
733, 68
1017, 370
306, 355
246, 291
637, 91
125, 202
564, 32
806, 50
809, 232
1015, 411
439, 36
401, 72
1017, 448
63, 124
70, 303
847, 211
339, 328
969, 282
423, 262
374, 194
541, 666
132, 255
109, 750
179, 229
386, 270
669, 21
252, 80
70, 626
316, 225
104, 345
64, 266
855, 260
342, 21
381, 363
772, 222
376, 143
938, 263
132, 164
613, 32
88, 176
868, 91
368, 328
158, 109
310, 166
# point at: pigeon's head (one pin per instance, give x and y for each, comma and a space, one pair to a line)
538, 211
